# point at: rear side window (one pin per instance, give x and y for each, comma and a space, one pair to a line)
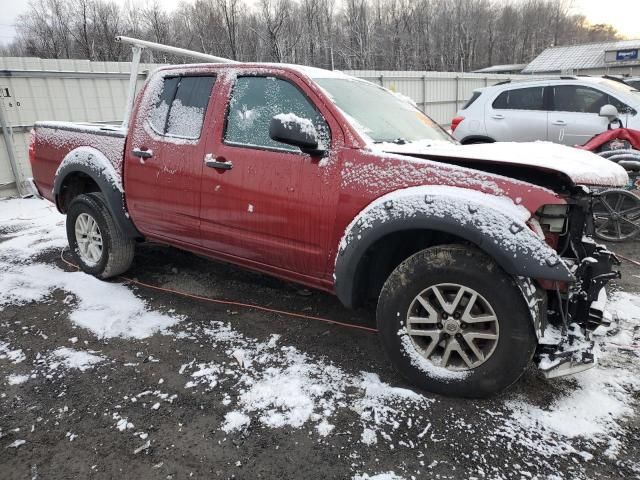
473, 98
256, 100
181, 106
531, 98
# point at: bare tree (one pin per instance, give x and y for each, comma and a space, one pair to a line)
351, 34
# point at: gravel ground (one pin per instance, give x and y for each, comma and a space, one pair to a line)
220, 391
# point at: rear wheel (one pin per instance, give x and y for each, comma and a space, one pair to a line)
452, 322
98, 245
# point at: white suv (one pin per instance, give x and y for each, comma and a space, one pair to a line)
564, 110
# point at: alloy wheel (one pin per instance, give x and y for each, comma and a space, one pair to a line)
453, 326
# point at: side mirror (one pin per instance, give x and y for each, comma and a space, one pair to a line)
609, 112
293, 130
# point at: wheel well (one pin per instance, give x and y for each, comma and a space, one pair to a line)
387, 253
476, 139
73, 185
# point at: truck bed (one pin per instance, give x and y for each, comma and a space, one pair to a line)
52, 141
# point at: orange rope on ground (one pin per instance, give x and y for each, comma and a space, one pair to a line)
260, 307
630, 260
232, 303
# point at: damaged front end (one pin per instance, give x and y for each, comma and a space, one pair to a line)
575, 310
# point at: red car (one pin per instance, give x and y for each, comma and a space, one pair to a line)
474, 254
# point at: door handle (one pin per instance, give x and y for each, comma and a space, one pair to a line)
559, 122
218, 163
497, 116
142, 153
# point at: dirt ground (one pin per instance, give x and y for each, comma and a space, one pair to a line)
69, 418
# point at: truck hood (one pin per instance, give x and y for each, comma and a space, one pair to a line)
581, 166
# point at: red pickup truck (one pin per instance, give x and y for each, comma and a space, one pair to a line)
479, 256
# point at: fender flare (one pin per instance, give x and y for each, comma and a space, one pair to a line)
96, 165
494, 224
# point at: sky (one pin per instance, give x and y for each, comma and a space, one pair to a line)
622, 14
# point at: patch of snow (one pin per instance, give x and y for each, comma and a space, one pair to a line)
324, 428
604, 396
379, 476
106, 309
6, 352
235, 421
369, 437
16, 444
34, 226
70, 358
17, 379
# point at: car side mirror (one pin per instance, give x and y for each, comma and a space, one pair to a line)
609, 112
293, 130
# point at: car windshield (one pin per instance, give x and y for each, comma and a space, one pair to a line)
380, 114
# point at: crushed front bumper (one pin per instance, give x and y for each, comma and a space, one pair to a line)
568, 348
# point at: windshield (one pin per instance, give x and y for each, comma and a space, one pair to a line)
381, 115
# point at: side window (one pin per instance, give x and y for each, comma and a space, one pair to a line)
531, 98
256, 100
473, 98
576, 98
181, 106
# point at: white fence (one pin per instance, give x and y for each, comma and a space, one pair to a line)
32, 89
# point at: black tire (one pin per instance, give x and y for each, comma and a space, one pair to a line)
466, 266
117, 249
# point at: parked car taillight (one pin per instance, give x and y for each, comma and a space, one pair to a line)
32, 147
455, 122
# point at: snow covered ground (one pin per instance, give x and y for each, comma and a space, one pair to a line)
108, 371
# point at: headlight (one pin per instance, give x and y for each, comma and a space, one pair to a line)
553, 218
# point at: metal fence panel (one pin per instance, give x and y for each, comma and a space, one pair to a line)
439, 94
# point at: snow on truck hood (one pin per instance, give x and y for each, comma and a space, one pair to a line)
581, 166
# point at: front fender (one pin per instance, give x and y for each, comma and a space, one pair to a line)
96, 165
494, 224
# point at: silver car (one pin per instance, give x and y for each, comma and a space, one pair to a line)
566, 110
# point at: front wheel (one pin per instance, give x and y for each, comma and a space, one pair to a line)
452, 322
98, 245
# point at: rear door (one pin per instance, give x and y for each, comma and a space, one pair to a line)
517, 115
273, 206
575, 113
164, 157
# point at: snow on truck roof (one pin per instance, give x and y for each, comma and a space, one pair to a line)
312, 72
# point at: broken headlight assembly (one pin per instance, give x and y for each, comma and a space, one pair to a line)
554, 218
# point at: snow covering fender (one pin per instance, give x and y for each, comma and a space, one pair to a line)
96, 165
493, 223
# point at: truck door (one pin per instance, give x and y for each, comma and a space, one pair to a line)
266, 203
164, 157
